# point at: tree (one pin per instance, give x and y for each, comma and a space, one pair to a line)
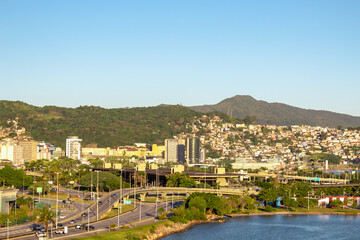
268, 195
180, 180
289, 202
106, 180
46, 216
198, 202
336, 203
14, 177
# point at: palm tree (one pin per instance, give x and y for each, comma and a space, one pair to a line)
46, 216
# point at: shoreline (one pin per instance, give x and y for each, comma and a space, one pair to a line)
185, 227
289, 213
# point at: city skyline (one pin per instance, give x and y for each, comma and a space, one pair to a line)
117, 54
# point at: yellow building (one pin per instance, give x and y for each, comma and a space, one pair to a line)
94, 151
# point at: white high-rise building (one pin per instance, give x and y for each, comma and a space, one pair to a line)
171, 150
73, 147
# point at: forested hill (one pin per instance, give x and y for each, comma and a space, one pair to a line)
106, 127
278, 113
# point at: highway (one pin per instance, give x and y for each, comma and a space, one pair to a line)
148, 210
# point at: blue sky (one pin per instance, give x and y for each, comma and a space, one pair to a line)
144, 53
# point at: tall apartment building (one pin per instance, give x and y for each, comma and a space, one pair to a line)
192, 150
171, 150
7, 150
202, 155
29, 149
18, 152
181, 151
73, 147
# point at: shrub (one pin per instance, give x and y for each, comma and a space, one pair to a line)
269, 209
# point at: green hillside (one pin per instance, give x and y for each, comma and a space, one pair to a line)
106, 127
278, 113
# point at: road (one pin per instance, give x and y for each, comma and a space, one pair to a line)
108, 200
148, 210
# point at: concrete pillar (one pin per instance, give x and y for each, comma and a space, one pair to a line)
142, 196
222, 182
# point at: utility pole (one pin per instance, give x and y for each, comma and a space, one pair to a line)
308, 201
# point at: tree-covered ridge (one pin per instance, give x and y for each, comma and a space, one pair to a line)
106, 127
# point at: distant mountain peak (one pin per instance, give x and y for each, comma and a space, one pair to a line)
241, 106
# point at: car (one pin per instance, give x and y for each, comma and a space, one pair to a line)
35, 227
91, 227
62, 216
40, 234
78, 226
60, 225
84, 214
36, 200
113, 195
72, 221
100, 202
59, 231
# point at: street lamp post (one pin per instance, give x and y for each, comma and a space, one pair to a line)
57, 199
88, 226
121, 191
7, 232
157, 190
97, 195
205, 178
140, 210
91, 184
134, 188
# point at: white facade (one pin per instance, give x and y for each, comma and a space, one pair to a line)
73, 147
7, 151
171, 150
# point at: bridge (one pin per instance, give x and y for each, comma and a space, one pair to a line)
141, 193
299, 178
157, 177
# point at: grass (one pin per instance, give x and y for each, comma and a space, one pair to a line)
114, 211
311, 210
169, 198
62, 196
126, 233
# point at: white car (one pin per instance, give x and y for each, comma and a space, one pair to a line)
59, 231
62, 216
40, 234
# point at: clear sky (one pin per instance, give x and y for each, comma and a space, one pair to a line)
190, 52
